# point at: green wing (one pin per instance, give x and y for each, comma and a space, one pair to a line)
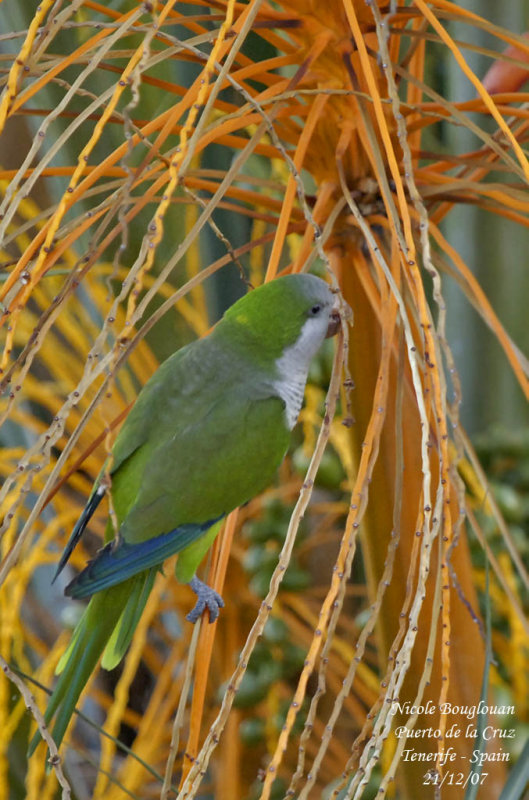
182, 485
221, 460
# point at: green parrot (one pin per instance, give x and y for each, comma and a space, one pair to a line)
205, 435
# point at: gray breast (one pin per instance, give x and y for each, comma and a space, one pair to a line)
291, 392
293, 367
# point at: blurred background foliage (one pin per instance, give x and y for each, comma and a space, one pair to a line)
154, 159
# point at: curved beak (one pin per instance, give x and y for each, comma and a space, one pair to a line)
335, 319
334, 324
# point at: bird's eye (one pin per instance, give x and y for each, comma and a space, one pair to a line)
315, 310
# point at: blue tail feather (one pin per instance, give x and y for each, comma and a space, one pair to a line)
118, 561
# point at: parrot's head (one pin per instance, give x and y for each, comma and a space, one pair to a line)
294, 312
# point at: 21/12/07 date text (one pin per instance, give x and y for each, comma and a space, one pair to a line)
434, 778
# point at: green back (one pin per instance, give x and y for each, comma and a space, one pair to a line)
206, 434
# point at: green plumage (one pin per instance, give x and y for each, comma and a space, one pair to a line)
205, 435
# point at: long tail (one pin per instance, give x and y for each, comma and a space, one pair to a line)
107, 624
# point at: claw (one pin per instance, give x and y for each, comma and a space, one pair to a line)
206, 598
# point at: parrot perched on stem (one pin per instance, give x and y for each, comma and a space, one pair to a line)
205, 435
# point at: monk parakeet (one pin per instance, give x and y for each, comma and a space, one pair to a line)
205, 435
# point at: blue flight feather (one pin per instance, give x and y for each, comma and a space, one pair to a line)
93, 502
116, 562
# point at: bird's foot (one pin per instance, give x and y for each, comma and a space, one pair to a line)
206, 598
